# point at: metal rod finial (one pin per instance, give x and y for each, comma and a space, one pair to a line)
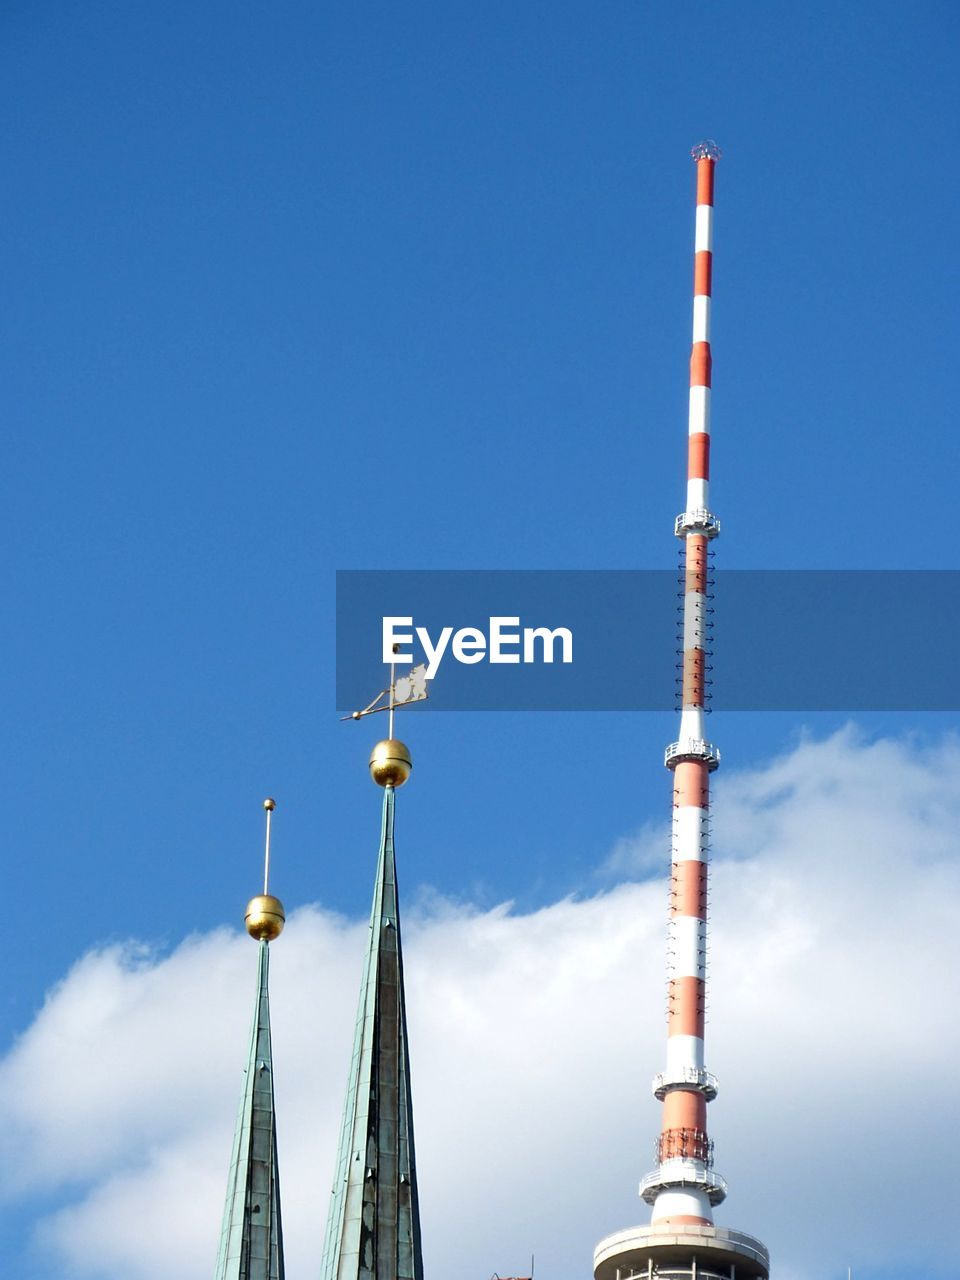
269, 805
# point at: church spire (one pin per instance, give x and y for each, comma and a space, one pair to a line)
251, 1239
373, 1227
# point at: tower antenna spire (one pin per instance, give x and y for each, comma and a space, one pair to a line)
683, 1189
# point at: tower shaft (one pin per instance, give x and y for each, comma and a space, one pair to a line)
684, 1189
681, 1241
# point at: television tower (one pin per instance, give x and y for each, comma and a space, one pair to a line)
681, 1240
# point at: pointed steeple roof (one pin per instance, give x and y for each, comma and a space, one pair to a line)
251, 1238
373, 1227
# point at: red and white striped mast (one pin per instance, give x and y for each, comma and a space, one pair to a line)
683, 1189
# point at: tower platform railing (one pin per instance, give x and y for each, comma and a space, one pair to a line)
685, 1078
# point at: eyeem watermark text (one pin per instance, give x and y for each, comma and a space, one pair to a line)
503, 642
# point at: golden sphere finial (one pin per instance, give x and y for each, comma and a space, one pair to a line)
264, 918
390, 763
269, 804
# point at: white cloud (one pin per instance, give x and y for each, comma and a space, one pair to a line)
534, 1037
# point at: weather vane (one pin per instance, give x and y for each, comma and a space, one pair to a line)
399, 693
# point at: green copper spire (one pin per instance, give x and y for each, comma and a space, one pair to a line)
373, 1228
251, 1239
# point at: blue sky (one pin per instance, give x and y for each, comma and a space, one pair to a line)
291, 289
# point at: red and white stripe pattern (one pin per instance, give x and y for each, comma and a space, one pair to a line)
683, 1189
698, 458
